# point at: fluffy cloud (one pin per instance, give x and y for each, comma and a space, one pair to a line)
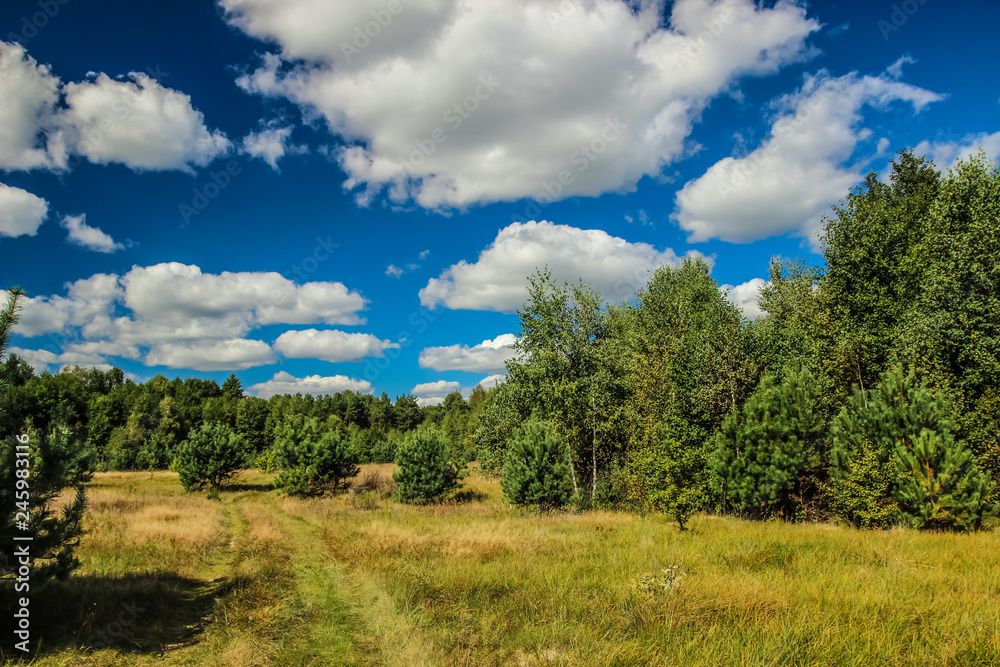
179, 317
42, 361
793, 178
21, 213
331, 345
746, 296
945, 154
490, 355
434, 393
451, 103
180, 292
28, 94
233, 354
271, 144
88, 237
286, 383
140, 124
492, 380
498, 280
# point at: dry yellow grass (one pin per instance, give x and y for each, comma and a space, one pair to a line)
473, 581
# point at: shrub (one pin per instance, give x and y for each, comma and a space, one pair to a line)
669, 472
535, 470
312, 460
425, 472
903, 432
53, 463
940, 486
211, 455
769, 454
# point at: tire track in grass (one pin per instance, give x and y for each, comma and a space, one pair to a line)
381, 634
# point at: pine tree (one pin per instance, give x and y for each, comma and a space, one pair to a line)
425, 472
313, 459
768, 455
535, 470
940, 487
211, 455
35, 467
901, 435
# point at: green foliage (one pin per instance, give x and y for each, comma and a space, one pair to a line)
940, 487
907, 426
861, 493
313, 459
425, 471
535, 470
769, 454
30, 485
669, 474
211, 455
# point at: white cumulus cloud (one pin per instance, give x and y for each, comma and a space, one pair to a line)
499, 279
21, 213
271, 144
331, 345
450, 103
792, 179
91, 238
434, 393
233, 354
945, 154
140, 124
746, 296
28, 95
490, 355
286, 383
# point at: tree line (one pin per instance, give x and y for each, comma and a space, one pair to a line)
868, 391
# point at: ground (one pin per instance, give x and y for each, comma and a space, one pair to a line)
256, 578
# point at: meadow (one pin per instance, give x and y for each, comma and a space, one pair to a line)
256, 578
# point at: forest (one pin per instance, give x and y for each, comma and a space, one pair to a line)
867, 394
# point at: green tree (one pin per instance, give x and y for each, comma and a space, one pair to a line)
210, 456
769, 456
312, 459
940, 486
535, 470
425, 471
873, 269
35, 467
668, 475
251, 423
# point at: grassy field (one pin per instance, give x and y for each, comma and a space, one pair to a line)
255, 578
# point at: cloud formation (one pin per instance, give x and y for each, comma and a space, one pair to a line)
21, 213
792, 179
746, 296
486, 357
286, 383
331, 345
498, 279
448, 103
91, 238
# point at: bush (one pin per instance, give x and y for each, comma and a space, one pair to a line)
669, 473
940, 487
535, 470
312, 460
769, 454
425, 472
211, 455
903, 433
54, 462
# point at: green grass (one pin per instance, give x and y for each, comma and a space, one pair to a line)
260, 579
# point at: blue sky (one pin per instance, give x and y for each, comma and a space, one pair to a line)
322, 196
